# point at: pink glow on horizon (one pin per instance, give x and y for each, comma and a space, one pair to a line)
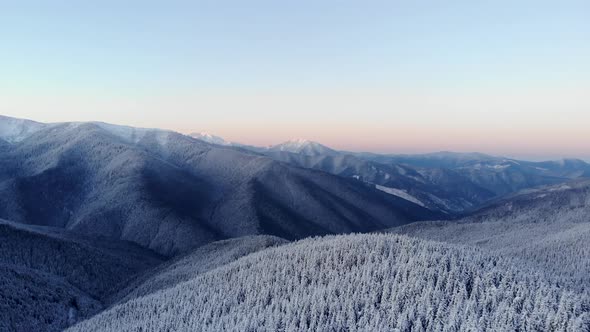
561, 142
538, 123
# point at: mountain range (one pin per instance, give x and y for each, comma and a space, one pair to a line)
169, 192
452, 183
115, 228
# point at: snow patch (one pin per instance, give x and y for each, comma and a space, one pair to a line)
499, 167
209, 138
400, 193
559, 188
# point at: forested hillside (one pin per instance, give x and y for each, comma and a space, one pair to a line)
547, 228
357, 282
117, 228
187, 267
498, 175
50, 279
438, 189
171, 193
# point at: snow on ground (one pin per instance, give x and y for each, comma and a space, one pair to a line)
400, 193
209, 138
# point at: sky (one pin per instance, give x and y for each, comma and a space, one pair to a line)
502, 77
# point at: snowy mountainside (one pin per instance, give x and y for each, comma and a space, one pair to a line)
50, 278
356, 282
456, 195
547, 228
443, 159
218, 140
4, 144
133, 134
170, 193
15, 130
32, 300
117, 228
400, 193
443, 181
189, 266
497, 174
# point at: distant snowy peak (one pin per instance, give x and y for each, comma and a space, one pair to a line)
210, 138
14, 130
303, 146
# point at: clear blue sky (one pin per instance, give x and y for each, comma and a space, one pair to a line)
265, 71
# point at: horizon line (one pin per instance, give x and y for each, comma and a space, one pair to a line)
237, 143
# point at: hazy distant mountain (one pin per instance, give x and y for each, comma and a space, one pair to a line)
170, 192
497, 174
395, 179
436, 189
217, 140
444, 159
568, 168
443, 181
210, 138
304, 147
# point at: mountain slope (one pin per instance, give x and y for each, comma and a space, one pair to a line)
15, 130
212, 139
50, 279
170, 193
496, 174
4, 145
436, 189
443, 181
546, 228
189, 266
304, 147
443, 159
31, 300
356, 282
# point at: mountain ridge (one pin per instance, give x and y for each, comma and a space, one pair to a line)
469, 179
170, 192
